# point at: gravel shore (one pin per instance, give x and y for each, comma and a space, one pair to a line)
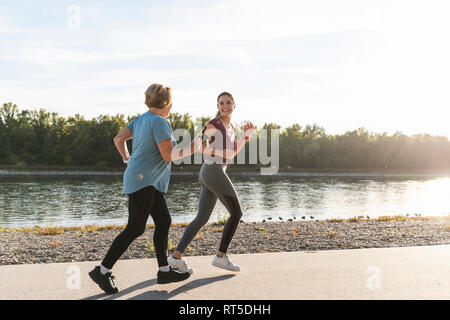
90, 244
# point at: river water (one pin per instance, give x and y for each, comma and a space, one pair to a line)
73, 200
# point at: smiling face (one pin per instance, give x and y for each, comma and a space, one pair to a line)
226, 105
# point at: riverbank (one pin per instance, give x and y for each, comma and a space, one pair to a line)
90, 243
234, 170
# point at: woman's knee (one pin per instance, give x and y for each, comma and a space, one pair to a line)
200, 220
236, 215
134, 232
163, 223
233, 206
167, 222
239, 214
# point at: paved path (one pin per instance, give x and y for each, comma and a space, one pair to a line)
387, 273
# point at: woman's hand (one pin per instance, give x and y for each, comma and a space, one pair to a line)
196, 145
120, 141
229, 154
249, 129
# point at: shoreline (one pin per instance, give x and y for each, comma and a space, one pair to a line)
221, 221
233, 171
90, 243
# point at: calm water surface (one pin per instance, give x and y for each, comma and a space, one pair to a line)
29, 200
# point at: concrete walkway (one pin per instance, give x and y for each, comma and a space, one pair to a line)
387, 273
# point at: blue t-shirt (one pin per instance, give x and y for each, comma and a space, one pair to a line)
146, 166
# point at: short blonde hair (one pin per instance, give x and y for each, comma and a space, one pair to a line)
158, 96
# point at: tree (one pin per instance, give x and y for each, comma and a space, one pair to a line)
43, 138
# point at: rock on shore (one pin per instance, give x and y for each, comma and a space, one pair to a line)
30, 247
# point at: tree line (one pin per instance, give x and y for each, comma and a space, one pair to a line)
41, 138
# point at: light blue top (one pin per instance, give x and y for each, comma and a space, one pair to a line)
146, 166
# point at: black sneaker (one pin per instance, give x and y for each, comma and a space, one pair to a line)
171, 276
105, 282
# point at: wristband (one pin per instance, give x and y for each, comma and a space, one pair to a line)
247, 138
126, 160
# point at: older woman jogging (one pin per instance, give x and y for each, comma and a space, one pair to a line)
145, 181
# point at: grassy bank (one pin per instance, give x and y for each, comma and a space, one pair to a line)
90, 243
83, 230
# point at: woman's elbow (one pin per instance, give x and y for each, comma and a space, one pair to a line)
165, 150
167, 158
118, 139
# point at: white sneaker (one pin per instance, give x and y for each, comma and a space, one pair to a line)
225, 263
179, 265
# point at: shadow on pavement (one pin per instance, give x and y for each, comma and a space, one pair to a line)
158, 294
164, 295
121, 293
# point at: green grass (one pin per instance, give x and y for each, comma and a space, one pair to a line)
50, 230
83, 230
170, 246
221, 220
175, 225
335, 220
392, 218
388, 218
262, 230
259, 228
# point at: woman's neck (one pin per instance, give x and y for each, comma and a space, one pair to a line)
226, 120
158, 112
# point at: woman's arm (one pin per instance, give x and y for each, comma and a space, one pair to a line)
240, 145
228, 154
248, 132
120, 140
169, 153
215, 152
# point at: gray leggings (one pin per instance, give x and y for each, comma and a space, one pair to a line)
215, 184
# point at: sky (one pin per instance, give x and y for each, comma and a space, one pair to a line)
381, 65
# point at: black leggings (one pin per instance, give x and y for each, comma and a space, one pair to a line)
141, 204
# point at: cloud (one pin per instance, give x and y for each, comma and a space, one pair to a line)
8, 27
341, 64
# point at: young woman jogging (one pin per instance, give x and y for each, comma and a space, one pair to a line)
215, 184
145, 181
